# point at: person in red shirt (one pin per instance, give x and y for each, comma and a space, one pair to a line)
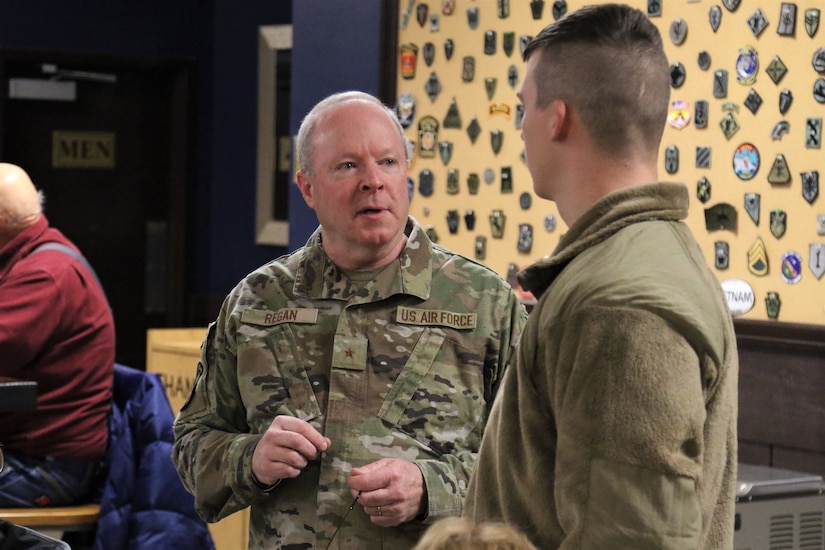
56, 329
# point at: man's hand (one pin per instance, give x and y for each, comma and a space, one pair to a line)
392, 490
285, 449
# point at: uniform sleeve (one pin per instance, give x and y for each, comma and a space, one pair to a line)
630, 413
447, 479
511, 330
30, 306
212, 450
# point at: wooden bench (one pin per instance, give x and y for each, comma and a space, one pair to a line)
81, 517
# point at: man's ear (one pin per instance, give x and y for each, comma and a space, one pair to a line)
560, 125
304, 183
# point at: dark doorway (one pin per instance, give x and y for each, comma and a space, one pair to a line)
113, 162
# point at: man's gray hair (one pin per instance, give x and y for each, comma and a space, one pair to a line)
304, 143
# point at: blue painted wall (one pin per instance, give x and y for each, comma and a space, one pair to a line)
230, 235
170, 28
335, 47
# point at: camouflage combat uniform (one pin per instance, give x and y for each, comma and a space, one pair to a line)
404, 365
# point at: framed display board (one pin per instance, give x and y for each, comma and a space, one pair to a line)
744, 134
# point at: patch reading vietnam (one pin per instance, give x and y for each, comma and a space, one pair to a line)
412, 316
287, 315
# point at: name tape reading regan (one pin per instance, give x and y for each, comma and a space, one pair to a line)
288, 315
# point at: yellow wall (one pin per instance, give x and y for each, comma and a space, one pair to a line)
173, 353
801, 302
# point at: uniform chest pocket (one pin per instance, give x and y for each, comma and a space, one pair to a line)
438, 397
273, 375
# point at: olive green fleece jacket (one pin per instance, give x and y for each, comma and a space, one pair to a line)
617, 427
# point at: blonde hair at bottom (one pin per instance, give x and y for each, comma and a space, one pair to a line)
463, 534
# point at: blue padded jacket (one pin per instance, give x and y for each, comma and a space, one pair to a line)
144, 504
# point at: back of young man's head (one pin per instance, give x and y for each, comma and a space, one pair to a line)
609, 63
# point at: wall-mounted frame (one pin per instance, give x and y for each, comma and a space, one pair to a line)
271, 229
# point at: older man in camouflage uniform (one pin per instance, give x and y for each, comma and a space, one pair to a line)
343, 391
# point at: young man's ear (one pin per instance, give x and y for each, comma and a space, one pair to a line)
560, 124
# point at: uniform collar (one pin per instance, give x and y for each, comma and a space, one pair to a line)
318, 277
654, 201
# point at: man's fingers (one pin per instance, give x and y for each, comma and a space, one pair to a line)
286, 448
297, 434
285, 444
394, 485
